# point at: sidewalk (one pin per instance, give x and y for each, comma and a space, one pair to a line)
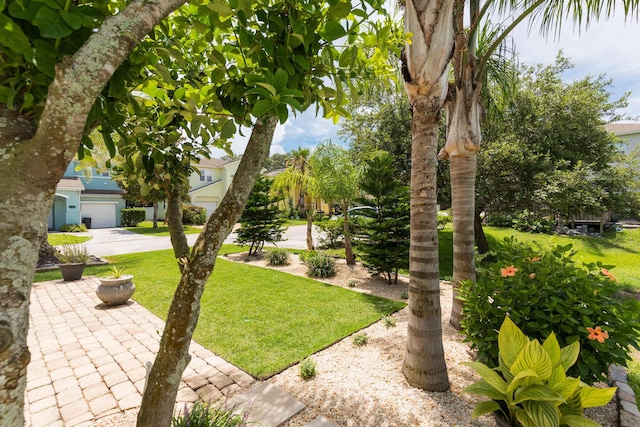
88, 361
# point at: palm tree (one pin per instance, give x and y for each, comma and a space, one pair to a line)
426, 71
464, 107
297, 178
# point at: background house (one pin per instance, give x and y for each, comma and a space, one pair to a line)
94, 199
629, 133
86, 196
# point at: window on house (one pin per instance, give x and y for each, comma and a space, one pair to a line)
105, 173
206, 176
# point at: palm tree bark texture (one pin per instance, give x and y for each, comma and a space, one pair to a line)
425, 71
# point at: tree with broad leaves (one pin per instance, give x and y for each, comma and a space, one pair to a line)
50, 79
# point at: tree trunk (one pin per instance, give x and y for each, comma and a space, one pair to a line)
481, 239
155, 214
463, 174
173, 356
31, 166
174, 222
348, 247
46, 252
309, 229
426, 72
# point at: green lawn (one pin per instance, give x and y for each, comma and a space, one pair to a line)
146, 227
63, 238
258, 319
292, 222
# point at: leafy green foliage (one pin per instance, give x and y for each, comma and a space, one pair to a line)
131, 217
546, 289
550, 151
261, 219
211, 414
194, 214
73, 228
530, 387
382, 236
389, 321
530, 222
277, 257
332, 233
307, 369
360, 339
320, 265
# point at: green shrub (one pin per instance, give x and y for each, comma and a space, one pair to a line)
73, 228
529, 222
500, 220
633, 375
305, 255
443, 220
405, 295
546, 290
360, 339
333, 230
307, 369
389, 321
194, 215
131, 217
207, 415
352, 283
277, 257
320, 266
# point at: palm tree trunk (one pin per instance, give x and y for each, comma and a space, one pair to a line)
309, 229
463, 175
348, 247
173, 356
424, 364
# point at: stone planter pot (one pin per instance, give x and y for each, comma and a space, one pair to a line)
71, 271
112, 291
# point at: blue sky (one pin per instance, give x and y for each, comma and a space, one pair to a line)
609, 47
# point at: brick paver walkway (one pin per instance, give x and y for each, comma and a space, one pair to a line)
88, 361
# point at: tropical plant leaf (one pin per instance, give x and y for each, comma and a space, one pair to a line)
537, 392
511, 341
12, 36
485, 407
51, 23
591, 396
489, 375
483, 388
577, 421
552, 347
569, 355
542, 413
533, 357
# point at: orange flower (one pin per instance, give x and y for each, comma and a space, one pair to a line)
532, 275
609, 274
508, 271
534, 259
598, 334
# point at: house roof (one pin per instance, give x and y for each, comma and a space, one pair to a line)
204, 187
622, 128
70, 184
119, 192
215, 163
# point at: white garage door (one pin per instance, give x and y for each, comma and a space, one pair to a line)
103, 215
209, 206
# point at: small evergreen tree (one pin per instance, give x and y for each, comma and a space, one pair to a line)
261, 219
383, 231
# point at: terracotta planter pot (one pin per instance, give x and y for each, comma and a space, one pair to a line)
71, 271
113, 291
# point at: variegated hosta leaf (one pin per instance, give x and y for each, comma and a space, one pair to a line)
489, 375
484, 408
569, 355
577, 421
533, 356
483, 388
552, 347
523, 379
591, 396
511, 341
543, 414
538, 392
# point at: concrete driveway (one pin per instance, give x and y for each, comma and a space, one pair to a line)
115, 241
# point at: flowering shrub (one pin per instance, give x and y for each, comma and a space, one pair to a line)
545, 290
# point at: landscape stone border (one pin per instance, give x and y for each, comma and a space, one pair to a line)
625, 397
